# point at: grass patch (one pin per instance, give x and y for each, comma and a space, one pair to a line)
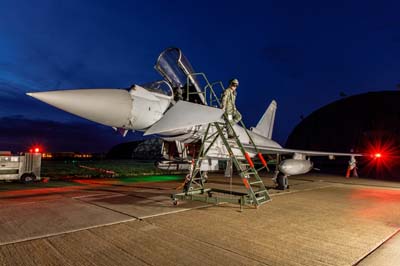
122, 168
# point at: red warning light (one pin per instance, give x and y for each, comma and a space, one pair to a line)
35, 149
383, 155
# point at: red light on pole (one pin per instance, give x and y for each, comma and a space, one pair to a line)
37, 150
378, 155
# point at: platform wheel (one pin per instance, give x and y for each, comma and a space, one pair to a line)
175, 202
27, 178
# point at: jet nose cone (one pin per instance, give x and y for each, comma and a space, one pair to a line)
111, 107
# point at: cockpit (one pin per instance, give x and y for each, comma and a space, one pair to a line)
178, 72
162, 87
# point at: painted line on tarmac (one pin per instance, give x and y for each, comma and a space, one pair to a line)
180, 210
10, 204
65, 232
377, 247
13, 204
90, 195
146, 216
351, 183
300, 190
369, 186
107, 208
102, 196
27, 239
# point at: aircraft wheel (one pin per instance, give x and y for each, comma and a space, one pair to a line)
283, 182
175, 202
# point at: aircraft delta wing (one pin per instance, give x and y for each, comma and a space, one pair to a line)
185, 115
272, 150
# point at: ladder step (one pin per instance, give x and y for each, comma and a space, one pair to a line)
256, 182
260, 198
248, 172
263, 201
261, 191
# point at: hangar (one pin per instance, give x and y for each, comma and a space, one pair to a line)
367, 123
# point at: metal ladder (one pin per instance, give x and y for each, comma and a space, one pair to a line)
257, 193
194, 186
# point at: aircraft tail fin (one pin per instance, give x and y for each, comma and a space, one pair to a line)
266, 124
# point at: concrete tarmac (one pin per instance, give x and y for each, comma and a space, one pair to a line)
320, 220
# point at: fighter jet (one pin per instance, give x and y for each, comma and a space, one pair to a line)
178, 109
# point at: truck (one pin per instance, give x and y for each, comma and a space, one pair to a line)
24, 167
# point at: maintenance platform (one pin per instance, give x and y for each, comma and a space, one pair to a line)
321, 220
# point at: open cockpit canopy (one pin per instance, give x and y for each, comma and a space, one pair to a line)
177, 71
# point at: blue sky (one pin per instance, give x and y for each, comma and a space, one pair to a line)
301, 53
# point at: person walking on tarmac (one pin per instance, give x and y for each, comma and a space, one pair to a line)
229, 106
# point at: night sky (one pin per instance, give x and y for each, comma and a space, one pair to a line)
304, 54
